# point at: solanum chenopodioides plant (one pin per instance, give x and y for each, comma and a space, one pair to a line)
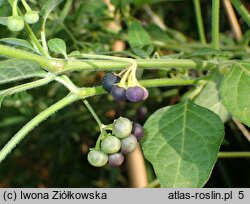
181, 141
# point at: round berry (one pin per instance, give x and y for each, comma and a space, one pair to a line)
116, 159
122, 127
31, 17
97, 158
109, 80
137, 131
111, 144
145, 96
15, 23
118, 93
135, 94
128, 144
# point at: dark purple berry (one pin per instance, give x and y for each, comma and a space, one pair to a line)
116, 159
137, 131
135, 94
128, 144
109, 80
118, 93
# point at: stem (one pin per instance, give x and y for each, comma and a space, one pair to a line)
70, 98
62, 65
155, 183
33, 123
166, 82
215, 23
235, 26
242, 10
34, 38
26, 6
91, 110
14, 8
227, 155
68, 83
27, 86
199, 21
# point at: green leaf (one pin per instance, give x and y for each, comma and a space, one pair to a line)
156, 33
210, 97
18, 69
182, 143
235, 92
18, 42
137, 36
57, 45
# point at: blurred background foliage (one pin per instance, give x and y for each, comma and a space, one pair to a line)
54, 154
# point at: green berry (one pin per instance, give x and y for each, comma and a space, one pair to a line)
15, 23
97, 158
122, 127
111, 144
31, 17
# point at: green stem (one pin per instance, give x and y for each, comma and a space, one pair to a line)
199, 21
215, 23
65, 10
62, 65
154, 184
27, 86
166, 82
33, 123
228, 155
242, 10
26, 6
35, 40
14, 8
70, 98
69, 84
91, 110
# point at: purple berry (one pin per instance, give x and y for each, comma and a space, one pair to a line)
135, 94
137, 131
118, 93
128, 144
109, 80
116, 159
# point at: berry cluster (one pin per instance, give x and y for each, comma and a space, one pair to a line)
134, 93
123, 140
16, 22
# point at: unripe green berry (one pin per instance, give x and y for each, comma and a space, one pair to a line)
15, 23
97, 158
111, 144
122, 127
31, 17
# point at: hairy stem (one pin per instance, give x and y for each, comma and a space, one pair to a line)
33, 123
60, 66
27, 86
215, 23
199, 21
